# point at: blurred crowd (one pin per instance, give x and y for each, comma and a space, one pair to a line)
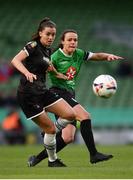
12, 129
8, 75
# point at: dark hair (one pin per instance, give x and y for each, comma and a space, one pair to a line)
46, 22
63, 36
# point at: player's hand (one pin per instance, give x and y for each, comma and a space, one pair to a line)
61, 76
112, 57
51, 68
30, 77
57, 74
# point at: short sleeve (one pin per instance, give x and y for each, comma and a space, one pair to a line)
88, 55
30, 47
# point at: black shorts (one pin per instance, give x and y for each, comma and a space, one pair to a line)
33, 105
68, 96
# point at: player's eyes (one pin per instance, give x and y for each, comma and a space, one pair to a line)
53, 34
50, 34
75, 40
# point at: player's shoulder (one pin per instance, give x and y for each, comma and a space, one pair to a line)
31, 44
30, 47
79, 51
56, 53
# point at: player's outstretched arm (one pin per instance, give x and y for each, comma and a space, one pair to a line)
105, 56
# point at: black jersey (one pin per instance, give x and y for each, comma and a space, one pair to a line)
37, 63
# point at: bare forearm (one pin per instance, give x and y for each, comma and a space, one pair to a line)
105, 56
17, 63
59, 75
99, 56
19, 66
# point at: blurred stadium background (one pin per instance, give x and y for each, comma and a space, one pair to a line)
102, 26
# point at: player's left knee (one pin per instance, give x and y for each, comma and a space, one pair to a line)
84, 116
68, 139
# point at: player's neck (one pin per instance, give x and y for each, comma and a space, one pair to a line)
66, 53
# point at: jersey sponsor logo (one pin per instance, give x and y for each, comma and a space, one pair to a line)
45, 59
71, 72
36, 106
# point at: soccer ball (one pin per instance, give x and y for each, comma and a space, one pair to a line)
104, 86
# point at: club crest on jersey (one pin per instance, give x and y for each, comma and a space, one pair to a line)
71, 72
45, 59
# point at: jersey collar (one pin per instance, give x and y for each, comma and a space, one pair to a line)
65, 53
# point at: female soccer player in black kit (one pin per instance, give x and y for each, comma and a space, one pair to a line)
33, 96
68, 60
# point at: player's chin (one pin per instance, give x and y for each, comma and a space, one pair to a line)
49, 43
72, 50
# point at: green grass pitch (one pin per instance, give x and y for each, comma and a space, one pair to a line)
13, 163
